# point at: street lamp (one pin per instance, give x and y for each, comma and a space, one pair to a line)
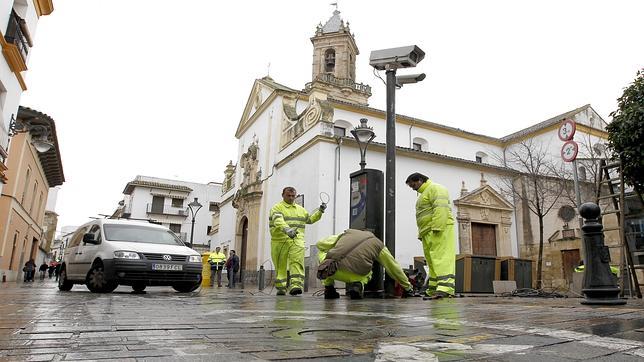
363, 135
390, 60
192, 206
40, 133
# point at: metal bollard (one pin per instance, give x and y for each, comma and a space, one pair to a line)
262, 276
600, 286
306, 279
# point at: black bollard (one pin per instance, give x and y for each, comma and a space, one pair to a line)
600, 285
261, 279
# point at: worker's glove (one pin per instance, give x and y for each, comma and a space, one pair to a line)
291, 232
322, 207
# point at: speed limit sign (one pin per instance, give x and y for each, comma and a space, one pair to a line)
569, 151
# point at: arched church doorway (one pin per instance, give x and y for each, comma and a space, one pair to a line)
244, 248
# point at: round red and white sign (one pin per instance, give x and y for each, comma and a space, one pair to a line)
567, 130
569, 151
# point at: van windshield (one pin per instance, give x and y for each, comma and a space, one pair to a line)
140, 234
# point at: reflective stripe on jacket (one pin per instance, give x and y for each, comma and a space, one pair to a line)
217, 257
284, 215
433, 208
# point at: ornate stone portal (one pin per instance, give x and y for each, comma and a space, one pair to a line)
484, 205
247, 201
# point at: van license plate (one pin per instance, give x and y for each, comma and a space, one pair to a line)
174, 267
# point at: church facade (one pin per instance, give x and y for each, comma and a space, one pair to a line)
300, 138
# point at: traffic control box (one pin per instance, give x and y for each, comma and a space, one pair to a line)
519, 270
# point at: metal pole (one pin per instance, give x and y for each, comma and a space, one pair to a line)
390, 183
192, 230
577, 193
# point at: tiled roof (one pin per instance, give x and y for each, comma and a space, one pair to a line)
334, 24
139, 183
547, 123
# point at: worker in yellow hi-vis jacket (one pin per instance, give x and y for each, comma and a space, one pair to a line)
436, 231
287, 222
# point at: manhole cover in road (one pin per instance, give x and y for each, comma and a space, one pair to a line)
319, 334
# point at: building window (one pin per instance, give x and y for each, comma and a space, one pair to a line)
417, 147
24, 190
582, 173
481, 157
176, 228
214, 207
177, 202
339, 131
208, 229
33, 197
329, 60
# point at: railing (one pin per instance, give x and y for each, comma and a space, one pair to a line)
15, 35
165, 210
343, 82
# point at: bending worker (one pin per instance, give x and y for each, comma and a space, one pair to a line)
436, 231
217, 260
352, 254
287, 221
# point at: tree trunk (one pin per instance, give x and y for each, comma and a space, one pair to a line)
540, 257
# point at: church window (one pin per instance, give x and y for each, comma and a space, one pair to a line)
417, 147
419, 144
582, 173
339, 131
481, 157
329, 60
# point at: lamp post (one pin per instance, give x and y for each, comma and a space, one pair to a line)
363, 135
390, 60
40, 133
192, 206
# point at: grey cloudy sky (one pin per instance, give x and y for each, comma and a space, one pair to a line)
157, 87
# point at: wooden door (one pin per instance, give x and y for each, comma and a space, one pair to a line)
569, 260
483, 239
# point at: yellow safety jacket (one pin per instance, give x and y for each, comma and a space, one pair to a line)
613, 269
284, 215
433, 208
217, 258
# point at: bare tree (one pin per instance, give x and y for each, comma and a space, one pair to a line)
535, 184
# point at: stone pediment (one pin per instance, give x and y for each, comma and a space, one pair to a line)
484, 196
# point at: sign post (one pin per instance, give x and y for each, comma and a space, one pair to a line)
569, 152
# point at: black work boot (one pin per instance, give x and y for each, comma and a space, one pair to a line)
408, 293
330, 292
356, 290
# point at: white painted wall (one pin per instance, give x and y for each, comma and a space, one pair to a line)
10, 90
206, 193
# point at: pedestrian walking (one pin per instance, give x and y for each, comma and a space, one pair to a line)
217, 260
29, 270
287, 222
43, 269
51, 268
349, 257
436, 232
232, 266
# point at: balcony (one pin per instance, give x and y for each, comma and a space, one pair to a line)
18, 36
165, 210
341, 82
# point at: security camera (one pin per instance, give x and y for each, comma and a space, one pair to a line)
394, 58
408, 79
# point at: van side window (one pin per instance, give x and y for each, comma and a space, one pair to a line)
77, 238
96, 230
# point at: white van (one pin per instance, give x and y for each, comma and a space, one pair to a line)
105, 253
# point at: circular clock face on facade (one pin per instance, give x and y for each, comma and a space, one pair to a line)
569, 151
567, 130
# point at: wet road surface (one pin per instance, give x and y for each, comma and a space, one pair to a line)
38, 323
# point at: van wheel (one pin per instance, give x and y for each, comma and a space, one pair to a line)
97, 282
138, 288
64, 285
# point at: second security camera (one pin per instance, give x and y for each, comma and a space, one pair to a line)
395, 58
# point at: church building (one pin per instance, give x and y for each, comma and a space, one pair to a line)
301, 138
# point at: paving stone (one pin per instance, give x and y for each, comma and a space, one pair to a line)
575, 350
119, 355
300, 354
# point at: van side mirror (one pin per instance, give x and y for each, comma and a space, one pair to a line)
89, 239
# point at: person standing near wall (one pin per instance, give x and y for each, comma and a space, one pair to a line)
436, 232
287, 222
216, 259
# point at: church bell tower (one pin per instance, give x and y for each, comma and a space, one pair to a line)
334, 63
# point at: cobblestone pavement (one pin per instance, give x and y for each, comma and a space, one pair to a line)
38, 323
